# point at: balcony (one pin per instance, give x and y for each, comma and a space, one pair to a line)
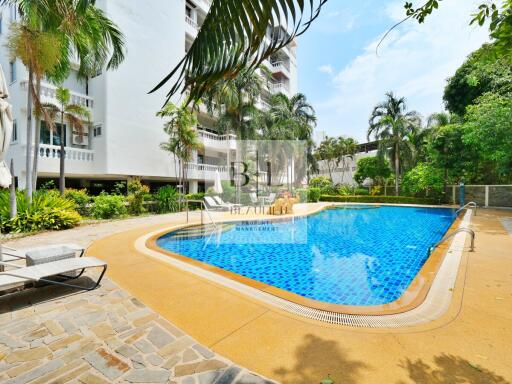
191, 26
206, 171
219, 142
48, 94
74, 154
279, 87
78, 161
281, 67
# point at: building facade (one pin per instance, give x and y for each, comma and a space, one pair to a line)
343, 173
124, 138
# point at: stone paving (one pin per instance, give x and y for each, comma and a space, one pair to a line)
59, 335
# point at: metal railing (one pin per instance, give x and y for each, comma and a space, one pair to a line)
201, 205
447, 237
465, 206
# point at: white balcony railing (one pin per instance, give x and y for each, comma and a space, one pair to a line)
49, 91
279, 87
53, 152
214, 136
191, 22
206, 167
281, 66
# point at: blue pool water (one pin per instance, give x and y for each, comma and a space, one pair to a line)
356, 256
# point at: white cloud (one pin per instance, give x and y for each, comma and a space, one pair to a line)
414, 61
326, 69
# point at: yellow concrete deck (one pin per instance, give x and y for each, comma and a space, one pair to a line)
472, 343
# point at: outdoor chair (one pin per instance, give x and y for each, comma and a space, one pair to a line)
255, 203
211, 204
37, 255
43, 273
232, 207
11, 254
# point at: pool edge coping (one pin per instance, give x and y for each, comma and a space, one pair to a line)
331, 313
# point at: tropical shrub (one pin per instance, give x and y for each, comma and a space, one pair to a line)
107, 206
228, 191
423, 179
48, 211
167, 199
361, 192
373, 168
120, 188
380, 199
195, 196
320, 182
375, 191
136, 193
314, 195
80, 198
345, 190
328, 190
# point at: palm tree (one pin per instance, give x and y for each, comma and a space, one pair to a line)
234, 100
327, 151
292, 119
346, 148
390, 124
39, 52
74, 115
183, 138
232, 39
53, 33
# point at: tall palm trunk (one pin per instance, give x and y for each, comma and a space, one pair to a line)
62, 179
397, 169
37, 139
28, 164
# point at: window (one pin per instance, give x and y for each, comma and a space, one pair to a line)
12, 71
97, 130
49, 137
14, 136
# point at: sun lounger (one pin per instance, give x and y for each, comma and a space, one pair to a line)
11, 254
42, 273
213, 205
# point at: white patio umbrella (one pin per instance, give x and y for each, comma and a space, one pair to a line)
5, 131
217, 186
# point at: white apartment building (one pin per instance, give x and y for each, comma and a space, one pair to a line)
344, 172
124, 139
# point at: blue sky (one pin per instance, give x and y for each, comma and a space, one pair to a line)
343, 77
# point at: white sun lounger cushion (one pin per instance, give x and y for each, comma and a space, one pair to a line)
40, 271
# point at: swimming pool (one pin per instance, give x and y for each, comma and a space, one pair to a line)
352, 255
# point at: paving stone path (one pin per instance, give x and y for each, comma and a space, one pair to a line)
56, 335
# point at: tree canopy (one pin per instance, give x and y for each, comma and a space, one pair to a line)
481, 72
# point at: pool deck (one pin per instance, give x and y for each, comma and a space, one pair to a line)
471, 343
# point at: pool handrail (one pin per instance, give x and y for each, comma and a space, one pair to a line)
449, 236
202, 204
465, 206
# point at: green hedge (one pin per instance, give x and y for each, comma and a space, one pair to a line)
379, 199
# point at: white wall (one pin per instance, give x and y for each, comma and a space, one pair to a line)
155, 42
344, 172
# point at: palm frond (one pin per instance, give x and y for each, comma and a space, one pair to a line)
234, 36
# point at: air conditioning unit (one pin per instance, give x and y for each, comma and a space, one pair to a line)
81, 138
